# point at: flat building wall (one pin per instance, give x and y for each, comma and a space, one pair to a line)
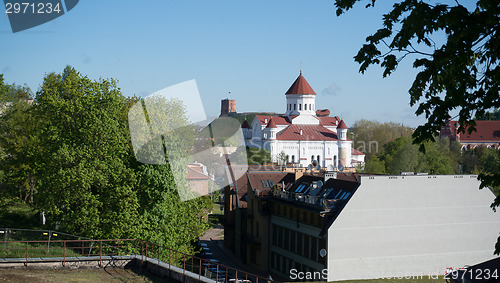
412, 226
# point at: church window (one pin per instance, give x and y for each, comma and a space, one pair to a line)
312, 158
303, 150
305, 106
335, 160
318, 160
310, 107
294, 106
328, 151
300, 106
293, 158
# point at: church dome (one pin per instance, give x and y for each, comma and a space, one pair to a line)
300, 86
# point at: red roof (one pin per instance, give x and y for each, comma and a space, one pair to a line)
323, 113
329, 121
279, 120
300, 86
486, 131
245, 124
356, 152
309, 133
342, 125
195, 174
271, 124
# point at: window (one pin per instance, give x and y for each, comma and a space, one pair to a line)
293, 158
310, 107
328, 151
319, 161
300, 106
303, 150
305, 106
312, 158
335, 160
295, 107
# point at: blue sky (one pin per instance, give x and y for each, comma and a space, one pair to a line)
253, 49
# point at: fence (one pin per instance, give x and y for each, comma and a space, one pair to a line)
85, 249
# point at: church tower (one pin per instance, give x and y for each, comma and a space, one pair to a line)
301, 101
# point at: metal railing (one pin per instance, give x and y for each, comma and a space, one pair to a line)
85, 249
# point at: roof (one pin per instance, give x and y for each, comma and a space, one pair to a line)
195, 173
242, 187
356, 152
245, 124
485, 131
309, 133
342, 125
323, 113
271, 124
263, 181
329, 121
300, 86
278, 120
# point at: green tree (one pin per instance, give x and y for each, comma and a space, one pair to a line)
86, 183
462, 73
17, 147
374, 165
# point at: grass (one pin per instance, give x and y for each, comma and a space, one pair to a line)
109, 275
18, 250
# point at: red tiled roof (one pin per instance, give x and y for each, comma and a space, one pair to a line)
278, 120
485, 131
300, 86
271, 124
256, 179
323, 113
329, 121
342, 125
309, 132
245, 124
195, 174
356, 152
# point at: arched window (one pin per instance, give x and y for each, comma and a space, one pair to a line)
294, 106
335, 160
300, 106
319, 160
305, 106
310, 107
303, 150
329, 151
293, 158
312, 158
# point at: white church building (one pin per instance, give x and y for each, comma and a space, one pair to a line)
302, 134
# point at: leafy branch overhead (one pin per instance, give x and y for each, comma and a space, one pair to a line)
455, 49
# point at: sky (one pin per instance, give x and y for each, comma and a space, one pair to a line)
252, 49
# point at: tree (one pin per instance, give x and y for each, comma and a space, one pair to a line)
86, 183
463, 73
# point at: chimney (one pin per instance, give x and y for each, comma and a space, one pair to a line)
265, 120
301, 132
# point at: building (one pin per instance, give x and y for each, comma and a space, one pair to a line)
343, 226
198, 179
487, 134
302, 135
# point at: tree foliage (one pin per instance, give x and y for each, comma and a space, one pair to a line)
72, 151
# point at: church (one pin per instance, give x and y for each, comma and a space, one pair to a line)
302, 135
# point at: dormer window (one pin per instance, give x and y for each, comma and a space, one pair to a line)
265, 120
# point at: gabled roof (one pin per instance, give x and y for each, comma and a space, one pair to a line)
342, 125
329, 121
245, 125
278, 120
309, 133
356, 152
300, 86
271, 124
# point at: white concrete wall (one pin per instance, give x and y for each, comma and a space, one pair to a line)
404, 225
